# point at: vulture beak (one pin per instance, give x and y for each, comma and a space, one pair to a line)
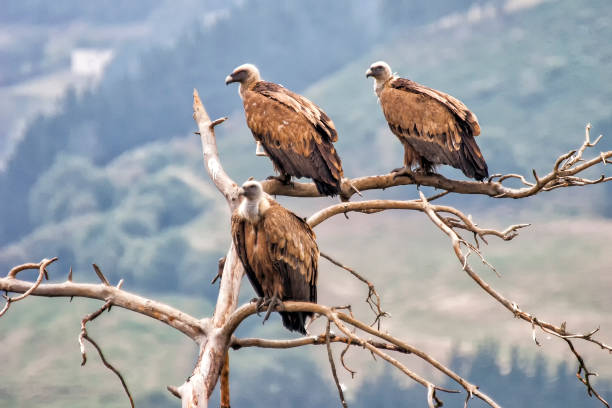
369, 73
229, 79
241, 192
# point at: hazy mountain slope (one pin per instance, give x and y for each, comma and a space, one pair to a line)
148, 97
534, 78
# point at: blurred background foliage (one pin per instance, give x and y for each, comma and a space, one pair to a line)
106, 170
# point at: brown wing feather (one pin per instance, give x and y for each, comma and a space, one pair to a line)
437, 126
296, 134
293, 251
241, 232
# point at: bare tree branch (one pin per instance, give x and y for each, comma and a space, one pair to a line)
308, 340
332, 365
560, 176
512, 306
196, 391
587, 374
373, 299
225, 386
42, 272
190, 326
337, 318
83, 335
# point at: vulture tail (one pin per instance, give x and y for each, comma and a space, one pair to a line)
473, 163
326, 188
295, 321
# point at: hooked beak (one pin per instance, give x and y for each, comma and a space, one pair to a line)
229, 79
241, 192
369, 73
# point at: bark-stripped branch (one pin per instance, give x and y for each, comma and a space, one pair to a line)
42, 272
189, 325
238, 343
563, 174
332, 365
339, 318
225, 386
196, 391
560, 332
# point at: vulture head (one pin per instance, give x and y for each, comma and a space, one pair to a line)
245, 74
251, 190
379, 70
255, 203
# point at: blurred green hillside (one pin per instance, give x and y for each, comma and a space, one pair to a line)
115, 177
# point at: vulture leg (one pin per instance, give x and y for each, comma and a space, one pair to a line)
411, 157
402, 172
259, 301
283, 178
274, 301
426, 167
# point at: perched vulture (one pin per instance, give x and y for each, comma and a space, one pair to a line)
295, 133
434, 127
278, 251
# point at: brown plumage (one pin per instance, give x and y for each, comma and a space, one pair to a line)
434, 127
278, 251
296, 134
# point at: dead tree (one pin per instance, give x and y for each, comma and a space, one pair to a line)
215, 334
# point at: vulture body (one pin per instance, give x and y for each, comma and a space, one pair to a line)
295, 133
278, 251
434, 127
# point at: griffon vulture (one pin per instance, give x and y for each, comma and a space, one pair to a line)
278, 251
295, 133
434, 127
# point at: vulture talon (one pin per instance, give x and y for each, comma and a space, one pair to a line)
283, 178
272, 303
259, 301
402, 172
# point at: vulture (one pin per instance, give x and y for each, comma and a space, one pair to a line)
434, 127
294, 132
278, 251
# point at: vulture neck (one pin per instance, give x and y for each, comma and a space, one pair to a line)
253, 210
248, 84
379, 84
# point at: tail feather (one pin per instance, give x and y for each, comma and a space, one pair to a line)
295, 321
473, 164
326, 188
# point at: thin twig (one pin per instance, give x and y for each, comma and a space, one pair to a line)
110, 367
84, 336
101, 275
333, 366
42, 272
373, 299
587, 374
